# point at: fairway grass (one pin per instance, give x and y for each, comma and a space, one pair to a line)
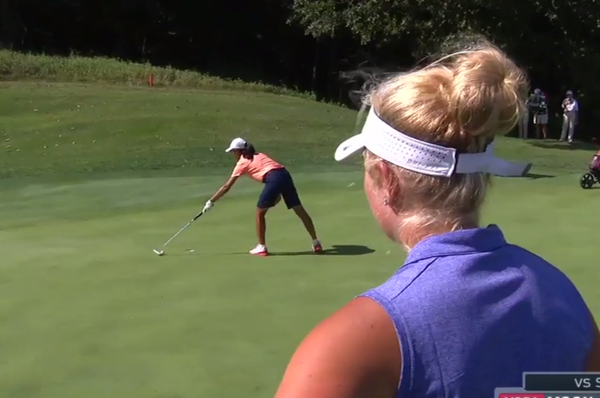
89, 311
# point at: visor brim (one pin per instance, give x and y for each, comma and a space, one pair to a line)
351, 146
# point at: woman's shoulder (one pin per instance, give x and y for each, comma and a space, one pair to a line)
356, 347
263, 156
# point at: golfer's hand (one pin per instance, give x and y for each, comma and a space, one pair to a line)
207, 206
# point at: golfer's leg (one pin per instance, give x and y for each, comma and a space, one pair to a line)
292, 201
266, 200
261, 226
307, 221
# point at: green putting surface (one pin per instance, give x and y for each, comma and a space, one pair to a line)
96, 177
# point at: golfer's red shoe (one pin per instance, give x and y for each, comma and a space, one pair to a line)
260, 250
316, 246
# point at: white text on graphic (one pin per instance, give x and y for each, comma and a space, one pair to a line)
586, 382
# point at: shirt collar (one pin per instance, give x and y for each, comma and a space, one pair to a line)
463, 241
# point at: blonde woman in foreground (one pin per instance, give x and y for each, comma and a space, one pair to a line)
467, 312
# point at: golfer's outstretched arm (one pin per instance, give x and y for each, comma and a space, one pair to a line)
352, 354
224, 189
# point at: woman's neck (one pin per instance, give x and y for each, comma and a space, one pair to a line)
409, 236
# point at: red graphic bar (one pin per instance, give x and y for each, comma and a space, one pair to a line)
521, 395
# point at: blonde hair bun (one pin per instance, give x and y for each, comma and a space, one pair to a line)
462, 100
487, 91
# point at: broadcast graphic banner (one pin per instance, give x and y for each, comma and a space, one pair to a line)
554, 385
521, 393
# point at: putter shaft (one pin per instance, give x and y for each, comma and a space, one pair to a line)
177, 233
183, 228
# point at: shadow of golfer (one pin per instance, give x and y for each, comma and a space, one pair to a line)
335, 250
533, 176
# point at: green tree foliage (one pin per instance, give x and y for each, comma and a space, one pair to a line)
558, 42
308, 43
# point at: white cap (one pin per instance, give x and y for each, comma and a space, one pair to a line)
236, 143
419, 156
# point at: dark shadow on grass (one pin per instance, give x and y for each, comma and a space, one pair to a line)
534, 176
565, 146
335, 250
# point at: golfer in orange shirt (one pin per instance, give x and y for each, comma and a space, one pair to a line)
278, 183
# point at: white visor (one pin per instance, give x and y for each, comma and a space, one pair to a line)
423, 157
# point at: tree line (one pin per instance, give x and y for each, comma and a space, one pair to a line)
318, 45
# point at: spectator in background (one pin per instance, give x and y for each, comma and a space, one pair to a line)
570, 108
540, 114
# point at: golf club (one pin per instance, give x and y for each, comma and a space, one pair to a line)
162, 251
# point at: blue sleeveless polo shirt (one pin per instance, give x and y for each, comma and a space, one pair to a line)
472, 313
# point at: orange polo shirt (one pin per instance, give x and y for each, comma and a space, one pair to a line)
256, 167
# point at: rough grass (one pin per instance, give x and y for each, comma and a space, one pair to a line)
46, 127
15, 66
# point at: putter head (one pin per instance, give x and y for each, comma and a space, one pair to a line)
159, 252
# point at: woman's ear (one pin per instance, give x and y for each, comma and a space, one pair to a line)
387, 181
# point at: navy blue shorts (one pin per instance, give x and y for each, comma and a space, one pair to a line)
278, 182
